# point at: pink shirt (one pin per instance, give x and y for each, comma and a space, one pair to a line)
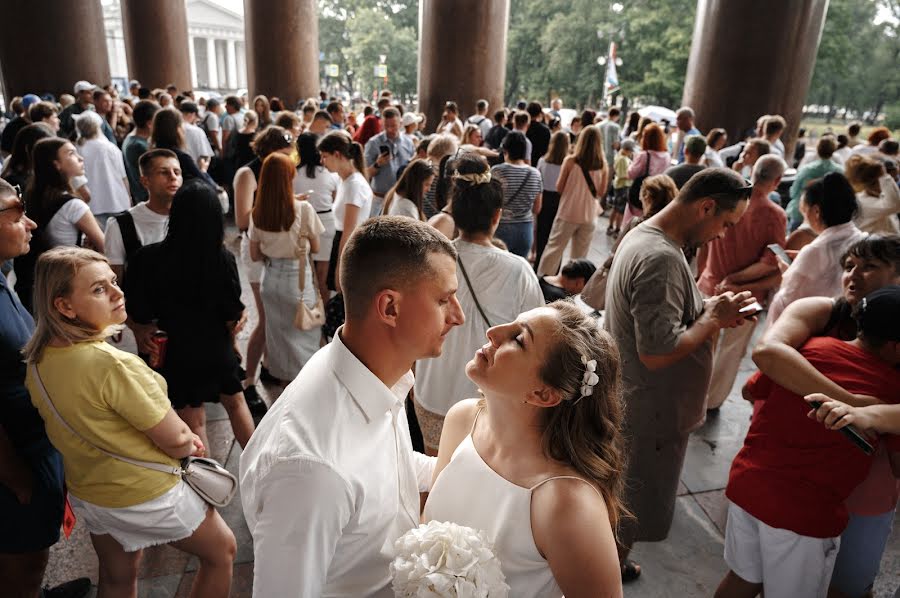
577, 205
744, 244
659, 162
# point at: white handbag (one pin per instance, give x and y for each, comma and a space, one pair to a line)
215, 484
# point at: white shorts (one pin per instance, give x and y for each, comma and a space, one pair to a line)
253, 269
326, 239
787, 564
174, 516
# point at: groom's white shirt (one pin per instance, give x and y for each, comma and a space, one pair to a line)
329, 480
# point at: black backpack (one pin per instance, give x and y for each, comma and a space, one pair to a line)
40, 242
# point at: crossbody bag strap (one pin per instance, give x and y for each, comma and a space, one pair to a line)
146, 464
303, 251
472, 291
521, 186
590, 182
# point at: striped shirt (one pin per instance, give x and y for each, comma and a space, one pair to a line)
521, 186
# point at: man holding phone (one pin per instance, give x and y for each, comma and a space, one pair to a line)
386, 153
741, 261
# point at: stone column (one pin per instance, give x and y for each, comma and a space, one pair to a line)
446, 72
211, 65
282, 42
71, 46
156, 41
193, 58
752, 57
232, 65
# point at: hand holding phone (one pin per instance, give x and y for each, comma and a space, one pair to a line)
849, 431
779, 251
751, 310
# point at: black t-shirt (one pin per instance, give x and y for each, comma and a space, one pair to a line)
682, 173
495, 136
551, 292
8, 138
539, 135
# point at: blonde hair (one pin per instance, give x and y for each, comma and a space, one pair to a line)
558, 148
467, 133
53, 276
863, 173
589, 148
442, 145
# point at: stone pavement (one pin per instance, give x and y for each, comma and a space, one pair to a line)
688, 564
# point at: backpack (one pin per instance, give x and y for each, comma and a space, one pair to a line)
40, 242
205, 128
130, 240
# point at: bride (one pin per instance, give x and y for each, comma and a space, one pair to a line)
537, 463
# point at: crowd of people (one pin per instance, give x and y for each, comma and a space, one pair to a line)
414, 286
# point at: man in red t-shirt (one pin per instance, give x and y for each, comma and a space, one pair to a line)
742, 261
788, 483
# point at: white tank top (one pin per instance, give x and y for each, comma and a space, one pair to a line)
468, 492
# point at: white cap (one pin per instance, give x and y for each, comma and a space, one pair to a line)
84, 86
410, 118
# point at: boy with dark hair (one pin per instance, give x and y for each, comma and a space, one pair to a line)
570, 280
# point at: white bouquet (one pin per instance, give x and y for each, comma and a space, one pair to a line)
445, 560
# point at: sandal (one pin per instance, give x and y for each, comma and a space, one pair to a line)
630, 571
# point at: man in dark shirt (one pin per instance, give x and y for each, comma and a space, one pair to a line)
538, 133
495, 136
31, 471
694, 150
84, 100
570, 280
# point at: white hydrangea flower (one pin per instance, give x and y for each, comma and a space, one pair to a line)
446, 560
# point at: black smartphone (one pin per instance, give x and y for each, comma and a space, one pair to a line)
384, 149
852, 433
780, 252
751, 310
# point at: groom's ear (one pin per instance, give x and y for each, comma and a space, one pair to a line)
545, 396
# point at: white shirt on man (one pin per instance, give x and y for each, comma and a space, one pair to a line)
104, 168
196, 142
505, 285
149, 226
329, 481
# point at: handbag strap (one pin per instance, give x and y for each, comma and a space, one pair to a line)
146, 464
303, 251
590, 182
472, 291
521, 186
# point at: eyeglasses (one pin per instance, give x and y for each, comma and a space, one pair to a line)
18, 205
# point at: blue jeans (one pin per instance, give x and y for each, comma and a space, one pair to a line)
517, 236
862, 546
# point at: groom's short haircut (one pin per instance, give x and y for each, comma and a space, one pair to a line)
388, 252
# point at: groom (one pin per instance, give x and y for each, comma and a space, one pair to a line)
329, 479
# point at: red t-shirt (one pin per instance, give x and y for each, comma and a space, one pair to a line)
793, 473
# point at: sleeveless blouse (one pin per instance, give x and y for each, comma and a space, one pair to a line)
468, 492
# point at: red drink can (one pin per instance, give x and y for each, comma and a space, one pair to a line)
160, 339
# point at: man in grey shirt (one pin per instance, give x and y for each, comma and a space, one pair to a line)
664, 331
387, 153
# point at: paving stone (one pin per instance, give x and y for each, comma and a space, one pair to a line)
159, 587
72, 558
241, 583
715, 505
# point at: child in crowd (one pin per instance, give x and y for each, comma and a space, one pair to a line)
788, 484
621, 185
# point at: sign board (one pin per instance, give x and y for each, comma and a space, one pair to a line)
381, 70
331, 70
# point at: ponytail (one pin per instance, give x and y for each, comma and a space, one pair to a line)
357, 157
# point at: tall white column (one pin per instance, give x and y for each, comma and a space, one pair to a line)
211, 63
232, 65
193, 61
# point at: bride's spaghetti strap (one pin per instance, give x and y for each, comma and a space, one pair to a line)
566, 477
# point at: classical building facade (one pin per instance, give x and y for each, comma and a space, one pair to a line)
216, 45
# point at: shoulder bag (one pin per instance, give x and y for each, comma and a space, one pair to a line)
472, 291
215, 484
634, 192
307, 318
590, 182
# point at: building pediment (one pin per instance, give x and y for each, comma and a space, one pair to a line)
202, 13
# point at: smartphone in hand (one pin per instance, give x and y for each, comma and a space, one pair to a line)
779, 251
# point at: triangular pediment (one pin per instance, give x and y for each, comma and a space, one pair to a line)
202, 13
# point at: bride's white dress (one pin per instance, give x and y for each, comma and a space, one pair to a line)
468, 492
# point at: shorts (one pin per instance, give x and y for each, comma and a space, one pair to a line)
253, 269
787, 564
430, 424
325, 239
174, 516
620, 199
862, 546
35, 526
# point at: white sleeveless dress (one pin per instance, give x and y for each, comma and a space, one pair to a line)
468, 492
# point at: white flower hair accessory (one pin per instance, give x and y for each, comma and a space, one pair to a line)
590, 378
446, 560
475, 178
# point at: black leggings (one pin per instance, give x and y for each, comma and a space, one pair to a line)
332, 264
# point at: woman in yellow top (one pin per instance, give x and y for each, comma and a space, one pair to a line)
113, 400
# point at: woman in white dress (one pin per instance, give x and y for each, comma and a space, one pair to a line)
537, 464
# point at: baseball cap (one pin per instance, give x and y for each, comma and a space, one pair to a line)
876, 314
712, 182
84, 86
29, 100
134, 83
410, 118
